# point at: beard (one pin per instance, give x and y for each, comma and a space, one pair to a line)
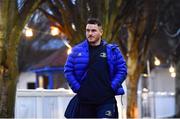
92, 41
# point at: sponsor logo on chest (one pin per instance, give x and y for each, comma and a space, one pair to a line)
103, 55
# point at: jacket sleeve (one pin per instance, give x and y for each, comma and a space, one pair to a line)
69, 73
120, 70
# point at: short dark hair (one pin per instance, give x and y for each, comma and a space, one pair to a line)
94, 21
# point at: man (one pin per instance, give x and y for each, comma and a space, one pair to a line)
95, 71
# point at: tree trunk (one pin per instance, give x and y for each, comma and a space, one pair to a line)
134, 70
7, 99
132, 85
9, 72
12, 22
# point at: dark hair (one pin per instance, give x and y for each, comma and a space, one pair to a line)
94, 21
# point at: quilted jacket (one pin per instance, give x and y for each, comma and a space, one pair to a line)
76, 65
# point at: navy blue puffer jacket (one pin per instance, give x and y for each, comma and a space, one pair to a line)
76, 65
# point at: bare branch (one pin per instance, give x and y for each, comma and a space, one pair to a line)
173, 35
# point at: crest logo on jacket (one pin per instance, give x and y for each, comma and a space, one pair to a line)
108, 113
103, 54
79, 54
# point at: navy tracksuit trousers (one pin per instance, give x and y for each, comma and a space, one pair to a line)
104, 110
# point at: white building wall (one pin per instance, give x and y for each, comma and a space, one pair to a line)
162, 80
160, 99
24, 78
